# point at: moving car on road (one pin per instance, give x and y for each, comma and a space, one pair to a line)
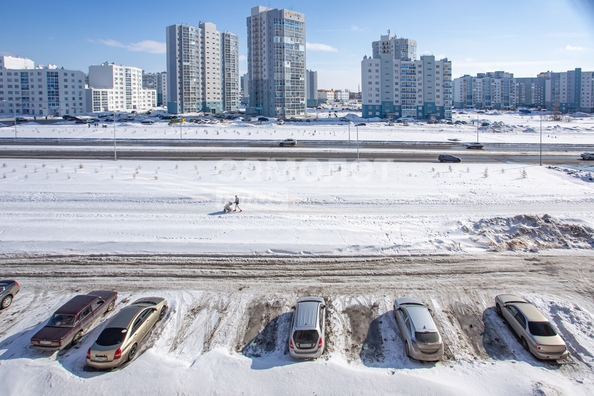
68, 324
475, 145
288, 142
8, 289
588, 156
306, 339
421, 337
448, 158
119, 341
536, 333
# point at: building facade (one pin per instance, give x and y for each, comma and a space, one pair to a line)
394, 88
276, 62
398, 48
26, 90
311, 93
230, 58
158, 82
202, 69
493, 90
118, 88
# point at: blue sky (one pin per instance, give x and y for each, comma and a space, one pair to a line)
524, 37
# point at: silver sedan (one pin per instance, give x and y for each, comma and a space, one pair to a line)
121, 338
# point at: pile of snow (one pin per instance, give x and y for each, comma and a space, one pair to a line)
577, 173
531, 233
498, 127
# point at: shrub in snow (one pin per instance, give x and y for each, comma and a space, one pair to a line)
486, 173
524, 173
4, 165
68, 177
26, 176
451, 169
25, 166
43, 165
467, 170
432, 169
57, 170
502, 170
13, 170
156, 177
4, 176
80, 166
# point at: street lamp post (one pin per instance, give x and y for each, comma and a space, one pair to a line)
477, 127
357, 126
115, 155
540, 155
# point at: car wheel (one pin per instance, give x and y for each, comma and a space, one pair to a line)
132, 352
163, 312
6, 302
76, 338
280, 144
525, 344
498, 310
407, 350
111, 306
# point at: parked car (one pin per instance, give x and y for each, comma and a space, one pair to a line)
475, 145
307, 336
262, 119
535, 331
81, 122
588, 156
120, 339
151, 122
421, 336
8, 289
448, 158
288, 142
68, 324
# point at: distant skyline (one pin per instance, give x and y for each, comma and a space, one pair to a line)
522, 37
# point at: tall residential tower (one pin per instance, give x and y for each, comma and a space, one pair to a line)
201, 69
276, 62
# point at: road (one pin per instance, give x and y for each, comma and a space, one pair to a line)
214, 150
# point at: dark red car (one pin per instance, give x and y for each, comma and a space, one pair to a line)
68, 324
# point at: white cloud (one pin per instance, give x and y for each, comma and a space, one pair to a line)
357, 29
572, 48
242, 58
320, 47
150, 46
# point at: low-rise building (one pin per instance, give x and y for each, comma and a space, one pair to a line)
29, 90
118, 88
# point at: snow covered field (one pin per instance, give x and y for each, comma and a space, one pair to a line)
522, 229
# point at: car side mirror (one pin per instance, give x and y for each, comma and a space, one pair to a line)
323, 306
100, 302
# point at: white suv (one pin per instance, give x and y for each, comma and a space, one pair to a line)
306, 339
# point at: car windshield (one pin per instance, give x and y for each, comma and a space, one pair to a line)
306, 336
61, 320
542, 329
426, 337
111, 336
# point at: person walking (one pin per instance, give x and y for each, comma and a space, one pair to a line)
237, 204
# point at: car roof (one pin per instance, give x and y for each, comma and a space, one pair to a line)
307, 314
126, 316
531, 313
510, 298
148, 301
408, 300
420, 317
76, 304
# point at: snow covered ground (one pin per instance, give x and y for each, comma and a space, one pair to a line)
228, 336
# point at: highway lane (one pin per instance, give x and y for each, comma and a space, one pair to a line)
280, 154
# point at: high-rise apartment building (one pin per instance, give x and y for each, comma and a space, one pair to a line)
492, 90
202, 69
311, 93
399, 48
41, 90
276, 62
118, 88
395, 84
158, 82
